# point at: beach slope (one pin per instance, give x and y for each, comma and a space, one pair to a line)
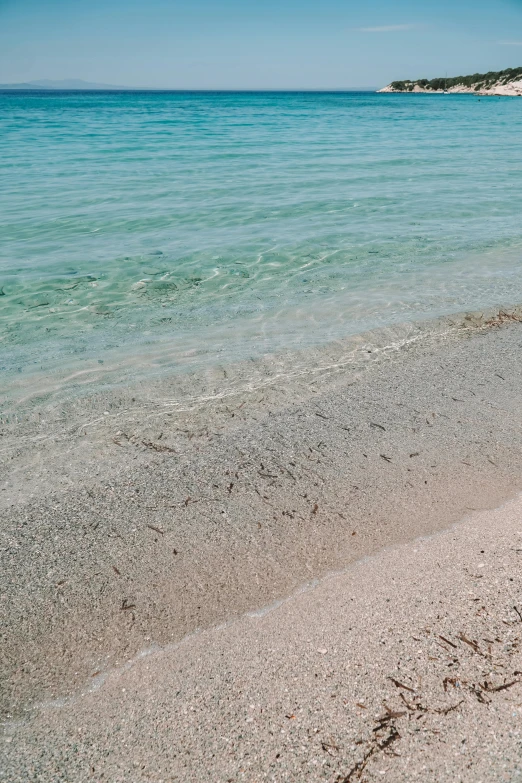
168, 602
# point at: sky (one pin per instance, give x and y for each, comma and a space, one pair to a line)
256, 44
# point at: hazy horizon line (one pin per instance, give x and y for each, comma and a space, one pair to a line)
36, 88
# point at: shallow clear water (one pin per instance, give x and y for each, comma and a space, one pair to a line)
175, 230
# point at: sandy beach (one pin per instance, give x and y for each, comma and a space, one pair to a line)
232, 590
404, 667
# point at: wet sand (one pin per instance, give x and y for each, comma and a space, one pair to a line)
134, 534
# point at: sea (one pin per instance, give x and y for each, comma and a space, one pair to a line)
151, 233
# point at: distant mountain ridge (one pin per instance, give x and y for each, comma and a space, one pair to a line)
508, 82
62, 84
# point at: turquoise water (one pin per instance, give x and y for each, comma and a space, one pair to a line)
174, 230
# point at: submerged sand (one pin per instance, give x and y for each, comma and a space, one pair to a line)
138, 533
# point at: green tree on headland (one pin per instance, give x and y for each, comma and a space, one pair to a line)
479, 81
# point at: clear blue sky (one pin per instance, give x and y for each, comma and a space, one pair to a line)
256, 43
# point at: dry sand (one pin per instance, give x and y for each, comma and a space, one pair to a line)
405, 667
161, 529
